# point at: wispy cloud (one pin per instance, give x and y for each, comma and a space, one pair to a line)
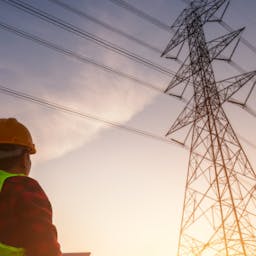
87, 91
43, 73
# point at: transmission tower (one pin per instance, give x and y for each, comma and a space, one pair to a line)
219, 210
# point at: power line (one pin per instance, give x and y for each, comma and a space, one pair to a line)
70, 28
160, 24
84, 59
52, 105
74, 55
141, 14
84, 34
68, 110
131, 8
120, 32
243, 40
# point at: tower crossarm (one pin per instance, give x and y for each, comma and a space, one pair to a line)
226, 89
208, 9
216, 47
205, 10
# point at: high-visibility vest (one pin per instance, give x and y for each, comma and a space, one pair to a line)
7, 250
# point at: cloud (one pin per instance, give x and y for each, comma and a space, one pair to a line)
87, 91
60, 79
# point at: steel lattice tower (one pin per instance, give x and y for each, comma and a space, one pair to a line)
219, 210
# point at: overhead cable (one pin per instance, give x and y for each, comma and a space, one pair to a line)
68, 110
155, 21
69, 27
74, 55
84, 34
82, 58
141, 14
164, 26
105, 25
58, 107
242, 39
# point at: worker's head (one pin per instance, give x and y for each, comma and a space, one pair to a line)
16, 145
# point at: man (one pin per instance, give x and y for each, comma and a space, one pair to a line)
26, 227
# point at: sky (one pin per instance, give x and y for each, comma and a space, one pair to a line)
113, 192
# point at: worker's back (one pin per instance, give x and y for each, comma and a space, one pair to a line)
26, 227
25, 217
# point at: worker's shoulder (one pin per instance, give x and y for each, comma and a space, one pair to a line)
22, 179
22, 183
25, 191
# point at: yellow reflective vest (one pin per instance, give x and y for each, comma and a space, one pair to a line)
7, 250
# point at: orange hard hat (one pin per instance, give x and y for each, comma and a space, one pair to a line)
15, 133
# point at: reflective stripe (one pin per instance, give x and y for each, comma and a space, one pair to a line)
4, 175
7, 250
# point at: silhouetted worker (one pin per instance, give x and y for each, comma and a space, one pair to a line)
25, 212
